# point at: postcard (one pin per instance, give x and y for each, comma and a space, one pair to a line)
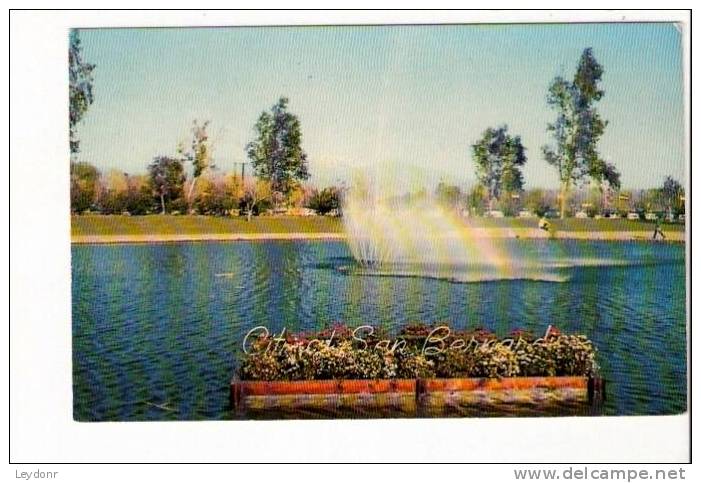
438, 224
377, 221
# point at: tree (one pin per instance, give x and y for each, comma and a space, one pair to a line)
200, 154
536, 201
326, 200
499, 158
276, 154
672, 195
476, 198
167, 179
652, 199
623, 203
577, 129
139, 195
301, 195
607, 181
114, 192
255, 192
80, 87
217, 194
84, 186
449, 196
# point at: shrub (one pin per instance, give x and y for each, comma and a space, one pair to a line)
326, 200
84, 186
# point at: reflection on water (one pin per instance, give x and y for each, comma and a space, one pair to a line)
156, 328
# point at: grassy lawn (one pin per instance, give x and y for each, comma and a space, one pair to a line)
193, 225
576, 224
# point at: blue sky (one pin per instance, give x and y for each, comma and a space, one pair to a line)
401, 103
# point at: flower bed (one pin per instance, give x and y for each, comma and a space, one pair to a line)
419, 352
425, 370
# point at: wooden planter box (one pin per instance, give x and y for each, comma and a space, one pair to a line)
411, 397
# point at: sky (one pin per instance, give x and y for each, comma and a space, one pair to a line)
401, 104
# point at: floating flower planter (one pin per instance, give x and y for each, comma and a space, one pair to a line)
425, 371
367, 395
414, 397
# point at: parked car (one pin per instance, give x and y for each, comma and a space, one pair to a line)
581, 214
495, 214
651, 216
525, 214
552, 214
633, 216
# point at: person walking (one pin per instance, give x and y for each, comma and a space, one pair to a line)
658, 231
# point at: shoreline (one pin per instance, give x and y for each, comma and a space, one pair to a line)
489, 233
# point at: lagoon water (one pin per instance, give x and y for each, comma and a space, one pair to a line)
156, 328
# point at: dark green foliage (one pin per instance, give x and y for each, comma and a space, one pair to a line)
167, 178
113, 202
672, 195
247, 205
140, 200
276, 154
84, 186
499, 158
587, 78
577, 128
326, 200
137, 199
80, 88
604, 172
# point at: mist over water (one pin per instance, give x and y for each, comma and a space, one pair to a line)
425, 239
